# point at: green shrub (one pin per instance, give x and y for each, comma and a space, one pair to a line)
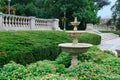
41, 68
25, 47
115, 32
64, 58
93, 71
99, 65
90, 38
12, 71
94, 54
35, 71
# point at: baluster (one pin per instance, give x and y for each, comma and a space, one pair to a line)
23, 22
36, 23
27, 24
15, 21
6, 20
3, 21
12, 21
39, 22
18, 22
9, 21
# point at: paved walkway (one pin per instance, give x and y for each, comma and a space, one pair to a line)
110, 42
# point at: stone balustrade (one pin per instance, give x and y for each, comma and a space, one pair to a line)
13, 22
97, 27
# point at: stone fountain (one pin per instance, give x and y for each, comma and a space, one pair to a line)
75, 48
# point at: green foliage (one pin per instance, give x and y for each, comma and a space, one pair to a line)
29, 46
90, 38
116, 14
118, 24
94, 54
85, 10
64, 58
102, 3
105, 69
39, 70
2, 2
93, 71
115, 32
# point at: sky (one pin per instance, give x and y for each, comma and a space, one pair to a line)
106, 12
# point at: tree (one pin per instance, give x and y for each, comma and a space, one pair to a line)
2, 2
101, 3
116, 14
85, 10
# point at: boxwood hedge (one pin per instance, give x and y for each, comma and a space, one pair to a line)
29, 46
115, 32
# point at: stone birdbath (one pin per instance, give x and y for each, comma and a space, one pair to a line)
75, 48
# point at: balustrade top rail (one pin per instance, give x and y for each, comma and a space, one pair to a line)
13, 22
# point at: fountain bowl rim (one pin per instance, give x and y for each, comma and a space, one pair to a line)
78, 45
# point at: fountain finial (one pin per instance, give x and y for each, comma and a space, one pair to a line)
75, 24
75, 19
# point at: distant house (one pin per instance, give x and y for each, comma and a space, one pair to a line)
104, 21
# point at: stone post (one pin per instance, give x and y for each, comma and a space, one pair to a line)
56, 24
32, 23
1, 24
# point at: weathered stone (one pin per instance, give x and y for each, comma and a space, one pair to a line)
118, 52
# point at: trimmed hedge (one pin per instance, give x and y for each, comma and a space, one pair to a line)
25, 47
115, 32
90, 38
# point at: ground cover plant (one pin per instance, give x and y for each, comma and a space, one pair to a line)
25, 47
115, 32
101, 65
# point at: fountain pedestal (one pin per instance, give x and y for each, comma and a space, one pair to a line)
75, 47
74, 60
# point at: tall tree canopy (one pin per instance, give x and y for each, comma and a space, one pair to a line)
101, 3
2, 2
85, 10
116, 14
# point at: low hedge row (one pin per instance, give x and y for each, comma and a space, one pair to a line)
29, 46
115, 32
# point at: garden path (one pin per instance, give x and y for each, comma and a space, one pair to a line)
110, 42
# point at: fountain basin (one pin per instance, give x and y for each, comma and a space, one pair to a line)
75, 33
74, 49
